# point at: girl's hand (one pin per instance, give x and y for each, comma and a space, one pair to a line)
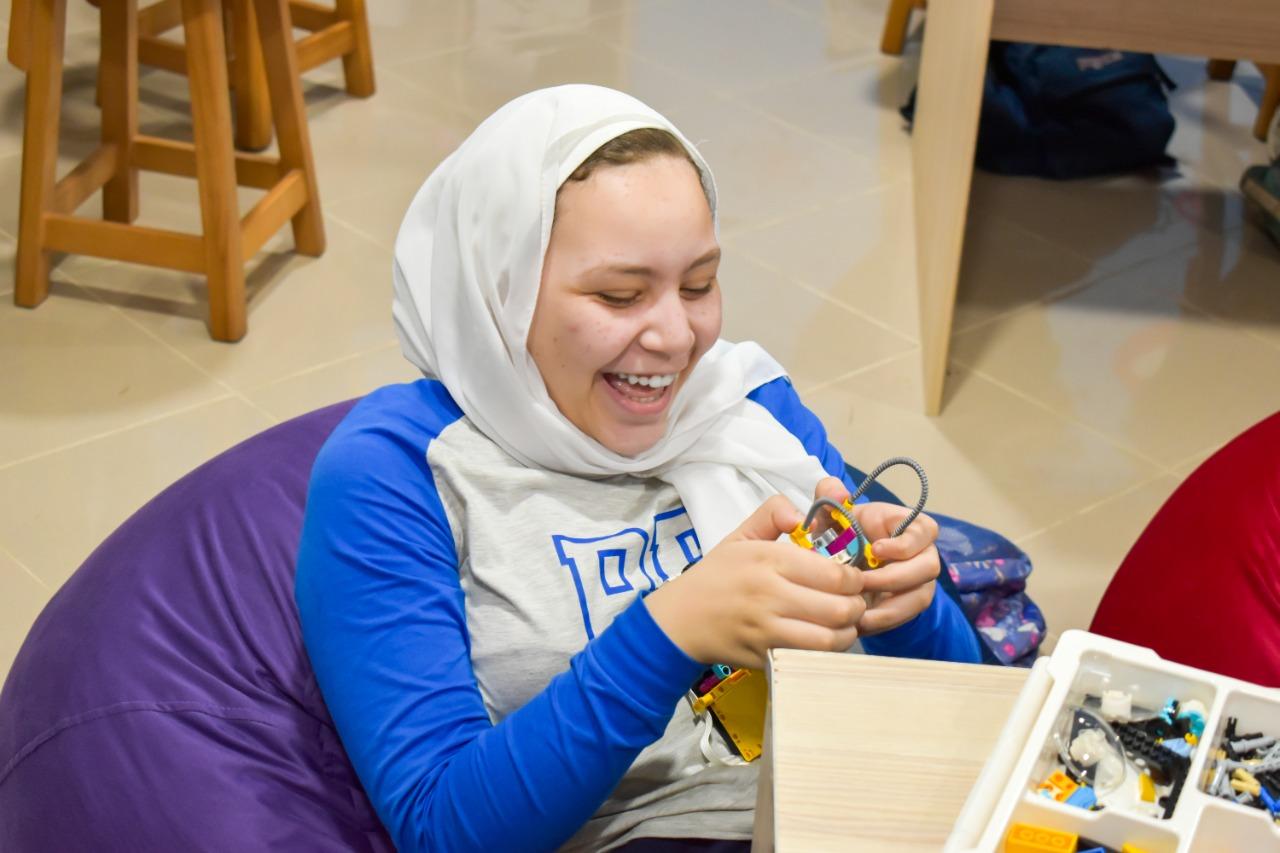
753, 593
904, 588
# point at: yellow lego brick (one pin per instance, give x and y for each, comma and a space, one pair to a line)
1029, 838
739, 704
1132, 848
1146, 788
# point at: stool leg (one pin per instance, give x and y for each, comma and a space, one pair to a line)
47, 30
1221, 69
118, 85
1270, 101
253, 102
896, 23
357, 66
276, 29
215, 167
19, 32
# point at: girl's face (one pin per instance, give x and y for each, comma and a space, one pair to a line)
629, 299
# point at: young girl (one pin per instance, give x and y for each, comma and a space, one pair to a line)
513, 570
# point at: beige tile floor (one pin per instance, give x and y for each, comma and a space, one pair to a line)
1110, 334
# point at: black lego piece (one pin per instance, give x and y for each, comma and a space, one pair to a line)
1166, 767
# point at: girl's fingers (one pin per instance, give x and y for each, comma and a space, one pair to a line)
798, 634
832, 489
805, 568
879, 520
896, 610
820, 608
905, 575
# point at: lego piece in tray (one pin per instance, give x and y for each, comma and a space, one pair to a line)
1158, 745
1246, 769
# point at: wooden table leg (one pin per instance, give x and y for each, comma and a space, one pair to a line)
47, 29
215, 167
253, 102
274, 25
952, 67
118, 87
357, 66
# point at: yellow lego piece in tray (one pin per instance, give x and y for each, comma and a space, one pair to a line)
1146, 788
1132, 848
1029, 838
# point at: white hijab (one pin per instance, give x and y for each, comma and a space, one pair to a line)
468, 262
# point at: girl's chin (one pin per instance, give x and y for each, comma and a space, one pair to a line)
631, 441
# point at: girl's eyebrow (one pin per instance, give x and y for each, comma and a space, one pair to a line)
648, 272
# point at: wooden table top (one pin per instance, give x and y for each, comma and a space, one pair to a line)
870, 753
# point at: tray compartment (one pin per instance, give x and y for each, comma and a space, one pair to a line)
1116, 726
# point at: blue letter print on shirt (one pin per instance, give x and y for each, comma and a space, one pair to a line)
603, 566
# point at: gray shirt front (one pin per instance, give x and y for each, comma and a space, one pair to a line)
546, 562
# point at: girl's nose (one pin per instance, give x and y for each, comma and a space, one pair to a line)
668, 330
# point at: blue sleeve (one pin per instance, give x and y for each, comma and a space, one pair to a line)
941, 631
383, 622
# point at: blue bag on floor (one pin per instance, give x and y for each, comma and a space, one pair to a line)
987, 576
1070, 112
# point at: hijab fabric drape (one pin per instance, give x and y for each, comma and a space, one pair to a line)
468, 261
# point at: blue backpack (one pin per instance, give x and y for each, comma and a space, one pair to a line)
1069, 112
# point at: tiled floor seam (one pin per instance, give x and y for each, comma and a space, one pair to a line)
1199, 456
1187, 303
14, 558
229, 391
1055, 295
1020, 541
89, 439
1128, 266
739, 101
866, 56
315, 368
805, 286
329, 215
1040, 404
515, 35
871, 365
904, 181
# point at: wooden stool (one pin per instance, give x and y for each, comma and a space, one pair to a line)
342, 31
339, 32
46, 218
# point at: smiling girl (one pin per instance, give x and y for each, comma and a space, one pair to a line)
492, 579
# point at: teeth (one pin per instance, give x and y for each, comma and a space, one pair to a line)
648, 381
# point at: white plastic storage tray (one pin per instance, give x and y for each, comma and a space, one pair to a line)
1085, 664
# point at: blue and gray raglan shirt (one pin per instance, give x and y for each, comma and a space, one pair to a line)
478, 633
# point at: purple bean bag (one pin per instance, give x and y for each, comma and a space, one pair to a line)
163, 700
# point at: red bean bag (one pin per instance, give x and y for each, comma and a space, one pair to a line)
1201, 585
